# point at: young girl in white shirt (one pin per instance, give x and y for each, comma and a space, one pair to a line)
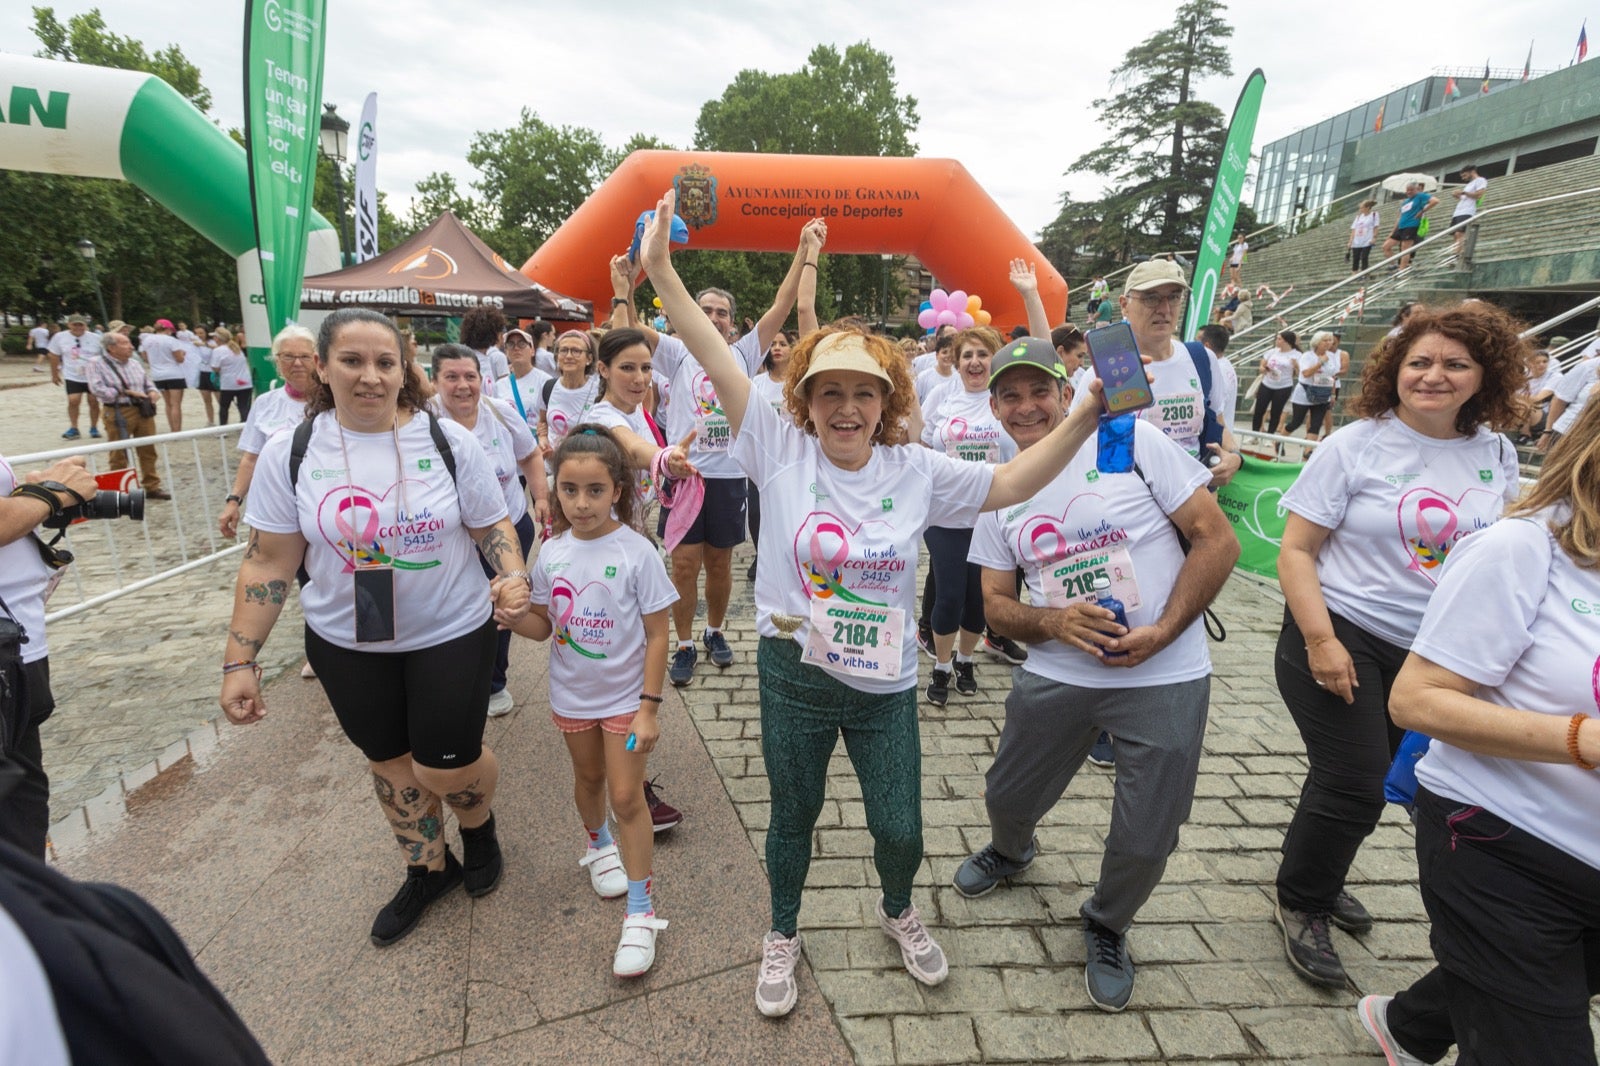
601, 590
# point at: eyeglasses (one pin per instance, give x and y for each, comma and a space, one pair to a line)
572, 351
1150, 299
287, 358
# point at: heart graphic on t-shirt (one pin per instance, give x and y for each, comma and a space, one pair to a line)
565, 601
1430, 525
821, 548
1045, 539
352, 510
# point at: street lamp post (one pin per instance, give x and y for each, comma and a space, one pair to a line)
86, 249
885, 258
332, 139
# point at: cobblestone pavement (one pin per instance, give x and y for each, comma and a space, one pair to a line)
135, 678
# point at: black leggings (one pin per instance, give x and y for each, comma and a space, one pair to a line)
502, 649
1298, 415
958, 584
1274, 398
430, 703
240, 396
1359, 257
1349, 748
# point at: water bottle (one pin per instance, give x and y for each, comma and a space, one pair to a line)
1103, 598
1114, 445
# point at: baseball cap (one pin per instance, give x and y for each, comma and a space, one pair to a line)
1027, 351
1153, 273
163, 323
845, 351
114, 325
77, 320
1556, 342
519, 332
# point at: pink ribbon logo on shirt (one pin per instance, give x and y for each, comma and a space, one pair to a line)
1046, 543
705, 396
1431, 524
362, 546
824, 568
563, 602
956, 429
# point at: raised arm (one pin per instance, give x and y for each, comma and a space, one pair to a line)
806, 305
1026, 282
726, 371
812, 236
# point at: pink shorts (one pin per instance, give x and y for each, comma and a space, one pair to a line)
620, 724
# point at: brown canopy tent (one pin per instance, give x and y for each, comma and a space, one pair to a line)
443, 270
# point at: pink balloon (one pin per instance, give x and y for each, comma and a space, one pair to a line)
964, 320
947, 317
957, 301
939, 299
928, 318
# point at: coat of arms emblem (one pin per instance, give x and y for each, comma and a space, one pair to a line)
697, 195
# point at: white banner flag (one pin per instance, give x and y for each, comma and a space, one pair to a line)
366, 206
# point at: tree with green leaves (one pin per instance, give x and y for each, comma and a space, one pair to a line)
1161, 157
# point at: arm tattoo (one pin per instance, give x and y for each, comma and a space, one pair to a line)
253, 548
245, 642
273, 592
494, 546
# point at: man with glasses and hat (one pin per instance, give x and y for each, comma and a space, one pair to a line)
70, 352
1147, 682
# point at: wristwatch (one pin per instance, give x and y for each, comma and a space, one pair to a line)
617, 301
233, 497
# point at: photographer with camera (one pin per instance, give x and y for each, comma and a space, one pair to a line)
25, 699
128, 398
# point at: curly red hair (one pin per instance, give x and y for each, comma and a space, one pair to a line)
897, 403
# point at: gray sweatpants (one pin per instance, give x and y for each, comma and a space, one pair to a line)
1049, 730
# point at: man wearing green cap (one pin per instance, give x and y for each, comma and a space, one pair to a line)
1149, 683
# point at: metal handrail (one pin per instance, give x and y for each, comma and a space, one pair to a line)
1475, 220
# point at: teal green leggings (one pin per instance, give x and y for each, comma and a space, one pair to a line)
803, 711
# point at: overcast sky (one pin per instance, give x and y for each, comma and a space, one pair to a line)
1005, 87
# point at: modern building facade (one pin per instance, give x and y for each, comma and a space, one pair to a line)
1423, 127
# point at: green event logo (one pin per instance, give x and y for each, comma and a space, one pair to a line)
26, 104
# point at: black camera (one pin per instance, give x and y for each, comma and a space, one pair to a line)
106, 503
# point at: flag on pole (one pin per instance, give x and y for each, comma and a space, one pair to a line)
1485, 87
1451, 90
1583, 41
1223, 209
1377, 123
1527, 64
367, 181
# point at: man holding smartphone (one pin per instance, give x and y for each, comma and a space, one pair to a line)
1153, 302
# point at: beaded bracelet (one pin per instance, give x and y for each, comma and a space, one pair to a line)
1572, 741
242, 664
647, 696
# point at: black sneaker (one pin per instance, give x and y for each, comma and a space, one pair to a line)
1108, 973
981, 872
681, 672
925, 639
481, 862
663, 815
717, 648
966, 680
1309, 947
401, 914
1348, 914
1005, 648
939, 688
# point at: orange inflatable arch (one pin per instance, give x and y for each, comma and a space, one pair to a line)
753, 202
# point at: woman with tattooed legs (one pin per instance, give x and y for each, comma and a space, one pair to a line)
387, 507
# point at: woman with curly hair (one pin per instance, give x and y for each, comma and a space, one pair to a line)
846, 500
1372, 517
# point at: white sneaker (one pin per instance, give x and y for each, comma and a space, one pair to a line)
636, 951
606, 874
1374, 1011
776, 990
924, 958
501, 703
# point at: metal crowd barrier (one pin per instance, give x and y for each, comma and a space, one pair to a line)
116, 557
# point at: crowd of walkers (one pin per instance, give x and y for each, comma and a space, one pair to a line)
588, 488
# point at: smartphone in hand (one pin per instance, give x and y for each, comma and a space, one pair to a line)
1117, 364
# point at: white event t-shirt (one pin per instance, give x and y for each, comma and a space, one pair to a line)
1085, 522
607, 414
1280, 369
493, 365
161, 352
1322, 376
1467, 206
1575, 388
696, 406
1540, 652
961, 424
1397, 502
569, 407
75, 353
830, 532
506, 441
1364, 230
270, 414
771, 391
416, 521
923, 363
23, 577
929, 380
233, 369
597, 593
529, 390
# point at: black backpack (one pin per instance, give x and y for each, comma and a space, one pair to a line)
302, 441
126, 989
